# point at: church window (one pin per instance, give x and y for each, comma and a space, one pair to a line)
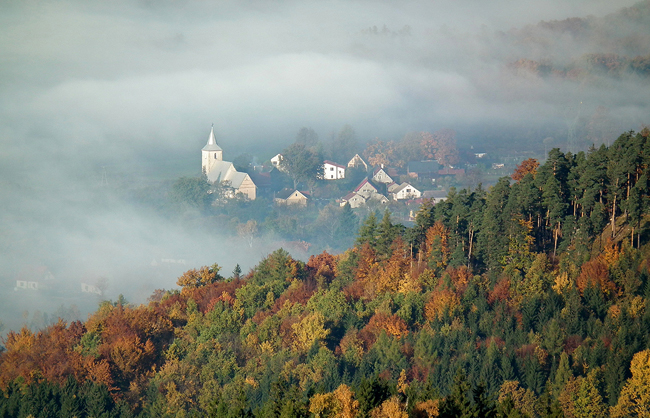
215, 155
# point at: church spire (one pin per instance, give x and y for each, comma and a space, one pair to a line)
211, 139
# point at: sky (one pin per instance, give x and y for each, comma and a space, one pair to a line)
95, 93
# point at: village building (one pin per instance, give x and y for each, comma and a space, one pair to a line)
364, 193
405, 191
422, 169
333, 171
436, 196
365, 189
288, 197
354, 199
277, 162
379, 175
224, 172
357, 162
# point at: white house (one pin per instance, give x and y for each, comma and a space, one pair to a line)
357, 162
405, 191
224, 172
333, 171
277, 162
380, 176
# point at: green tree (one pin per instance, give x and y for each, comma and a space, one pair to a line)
368, 231
307, 137
348, 224
386, 233
190, 193
302, 164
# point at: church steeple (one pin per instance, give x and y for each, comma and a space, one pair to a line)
211, 153
211, 139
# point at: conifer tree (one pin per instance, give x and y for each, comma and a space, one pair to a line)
368, 231
386, 233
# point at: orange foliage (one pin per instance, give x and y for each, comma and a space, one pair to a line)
500, 292
380, 153
436, 248
595, 273
130, 340
48, 354
367, 265
131, 356
298, 294
392, 325
354, 291
460, 278
321, 267
427, 409
205, 296
441, 301
395, 270
441, 146
528, 166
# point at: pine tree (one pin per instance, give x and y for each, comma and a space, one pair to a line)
368, 231
386, 233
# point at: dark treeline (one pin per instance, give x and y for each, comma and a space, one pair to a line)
530, 299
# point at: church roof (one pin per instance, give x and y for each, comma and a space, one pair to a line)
212, 142
225, 171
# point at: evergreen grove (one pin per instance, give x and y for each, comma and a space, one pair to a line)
530, 299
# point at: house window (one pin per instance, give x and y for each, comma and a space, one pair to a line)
408, 190
215, 155
332, 176
331, 168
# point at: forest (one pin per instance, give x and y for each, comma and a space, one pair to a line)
530, 299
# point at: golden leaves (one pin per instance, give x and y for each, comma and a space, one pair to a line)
308, 331
635, 395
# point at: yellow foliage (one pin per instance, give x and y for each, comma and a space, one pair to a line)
322, 404
409, 285
402, 386
339, 404
347, 406
428, 409
22, 340
610, 253
391, 408
637, 307
614, 311
201, 277
309, 330
267, 347
251, 381
562, 283
523, 399
634, 399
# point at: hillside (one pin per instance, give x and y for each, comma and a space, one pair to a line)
507, 302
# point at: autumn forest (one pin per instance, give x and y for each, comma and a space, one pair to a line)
527, 299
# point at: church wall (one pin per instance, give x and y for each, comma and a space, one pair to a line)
248, 188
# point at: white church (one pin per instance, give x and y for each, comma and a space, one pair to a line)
224, 172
